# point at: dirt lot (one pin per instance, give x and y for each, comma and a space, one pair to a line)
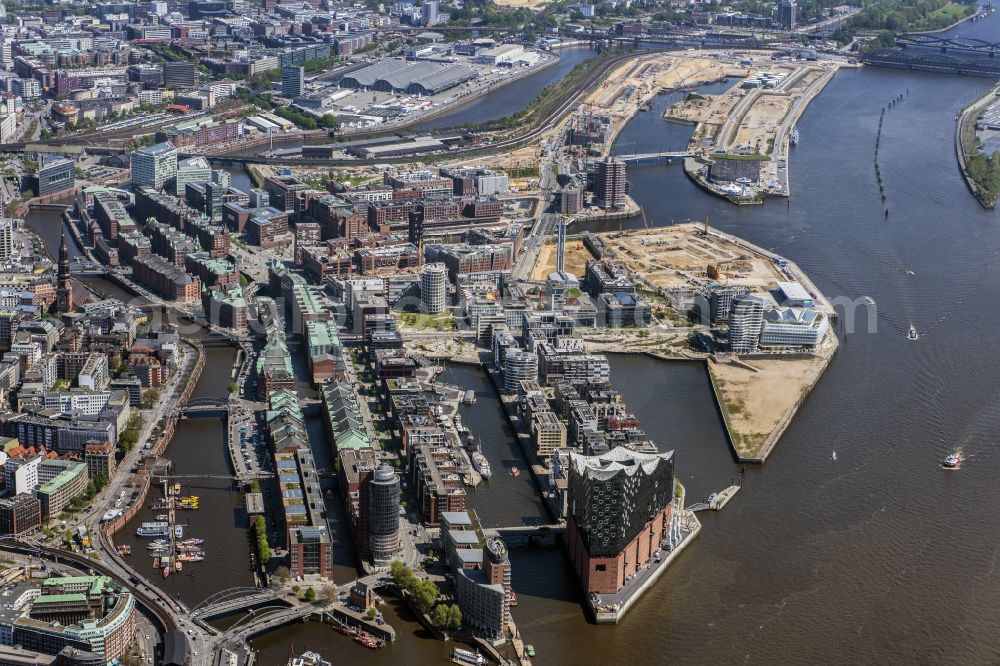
517, 4
678, 256
761, 121
758, 402
576, 257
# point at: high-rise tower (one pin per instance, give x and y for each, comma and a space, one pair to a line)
64, 290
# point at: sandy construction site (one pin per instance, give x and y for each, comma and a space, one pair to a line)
759, 397
576, 259
746, 118
679, 257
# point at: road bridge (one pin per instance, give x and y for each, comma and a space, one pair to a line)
205, 407
232, 600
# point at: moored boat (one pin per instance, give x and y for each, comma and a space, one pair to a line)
460, 656
515, 472
369, 641
482, 465
157, 529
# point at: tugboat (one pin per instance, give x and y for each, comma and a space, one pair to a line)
953, 461
912, 333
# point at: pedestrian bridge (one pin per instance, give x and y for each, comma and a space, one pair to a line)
655, 158
529, 530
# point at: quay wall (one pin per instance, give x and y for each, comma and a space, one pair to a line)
614, 617
968, 117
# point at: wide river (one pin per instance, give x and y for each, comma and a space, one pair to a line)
880, 556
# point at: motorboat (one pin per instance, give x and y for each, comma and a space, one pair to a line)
912, 333
952, 461
515, 472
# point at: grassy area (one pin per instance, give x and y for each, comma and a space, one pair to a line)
944, 16
439, 322
752, 157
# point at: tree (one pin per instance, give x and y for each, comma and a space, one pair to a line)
454, 616
329, 593
440, 616
283, 574
100, 481
310, 595
372, 612
425, 593
401, 574
91, 490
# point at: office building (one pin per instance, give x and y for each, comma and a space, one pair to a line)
55, 174
787, 14
383, 513
619, 510
80, 614
429, 12
609, 183
154, 167
192, 170
61, 481
20, 515
6, 239
793, 327
310, 551
746, 318
181, 74
293, 81
482, 573
434, 288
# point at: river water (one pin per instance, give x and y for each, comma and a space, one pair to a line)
878, 557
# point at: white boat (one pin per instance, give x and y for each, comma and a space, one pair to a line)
953, 461
833, 456
912, 333
481, 464
793, 138
460, 656
308, 659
